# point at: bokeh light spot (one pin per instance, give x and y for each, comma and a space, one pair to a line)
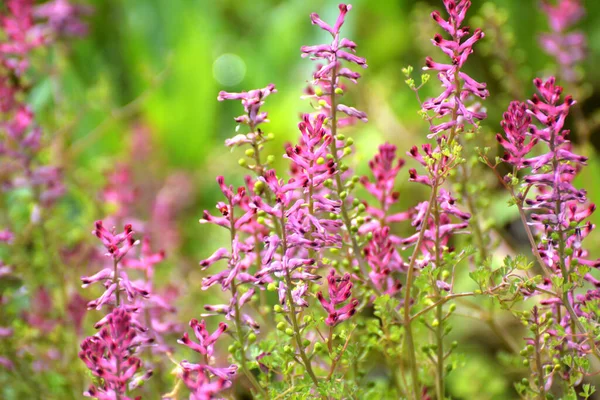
229, 69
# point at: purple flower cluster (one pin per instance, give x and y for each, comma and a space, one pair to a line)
110, 353
567, 47
63, 17
559, 207
330, 69
203, 380
558, 211
458, 86
339, 292
252, 101
110, 356
381, 252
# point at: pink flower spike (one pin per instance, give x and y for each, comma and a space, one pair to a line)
339, 292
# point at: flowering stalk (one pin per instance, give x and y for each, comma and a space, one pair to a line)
559, 210
433, 225
239, 258
110, 353
569, 49
329, 87
203, 380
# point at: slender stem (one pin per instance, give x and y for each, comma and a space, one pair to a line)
116, 281
475, 223
539, 365
337, 359
439, 333
237, 319
118, 303
439, 336
240, 338
292, 310
409, 342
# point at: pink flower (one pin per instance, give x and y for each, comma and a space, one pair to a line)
330, 69
202, 387
206, 340
64, 18
117, 244
22, 35
384, 260
516, 129
110, 356
252, 102
568, 48
457, 85
203, 380
339, 293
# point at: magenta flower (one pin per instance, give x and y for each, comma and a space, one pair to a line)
384, 260
114, 280
203, 380
117, 244
309, 155
339, 292
330, 69
206, 340
458, 86
6, 236
447, 213
157, 306
252, 102
517, 142
64, 18
110, 355
568, 48
559, 211
384, 167
21, 35
201, 387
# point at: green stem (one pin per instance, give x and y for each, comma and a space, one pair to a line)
116, 281
409, 345
475, 223
118, 303
238, 321
240, 338
292, 310
439, 333
539, 365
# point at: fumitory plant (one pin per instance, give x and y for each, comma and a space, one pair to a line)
426, 240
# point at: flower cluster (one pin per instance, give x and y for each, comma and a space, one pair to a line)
203, 380
63, 18
558, 208
110, 356
339, 292
109, 353
559, 213
381, 252
567, 47
252, 101
328, 73
458, 86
